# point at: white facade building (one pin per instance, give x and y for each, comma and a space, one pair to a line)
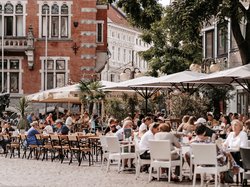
124, 43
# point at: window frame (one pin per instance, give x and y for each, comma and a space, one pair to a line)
54, 70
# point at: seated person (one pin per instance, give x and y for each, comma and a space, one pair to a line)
31, 134
61, 128
145, 125
127, 124
202, 138
48, 129
111, 129
6, 130
236, 139
165, 134
144, 143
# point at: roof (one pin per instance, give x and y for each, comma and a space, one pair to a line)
117, 16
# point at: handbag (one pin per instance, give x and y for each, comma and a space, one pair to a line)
229, 176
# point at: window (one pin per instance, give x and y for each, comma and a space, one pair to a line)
99, 35
13, 20
209, 44
118, 54
113, 52
55, 73
11, 76
112, 77
57, 24
222, 41
124, 55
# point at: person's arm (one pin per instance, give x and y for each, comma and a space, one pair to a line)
180, 128
244, 140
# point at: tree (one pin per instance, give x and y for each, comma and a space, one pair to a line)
91, 93
188, 17
184, 19
23, 107
167, 54
217, 95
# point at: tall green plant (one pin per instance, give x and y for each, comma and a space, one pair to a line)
23, 107
90, 93
184, 104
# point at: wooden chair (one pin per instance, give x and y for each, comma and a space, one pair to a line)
12, 144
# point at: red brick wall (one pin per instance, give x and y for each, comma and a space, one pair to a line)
32, 78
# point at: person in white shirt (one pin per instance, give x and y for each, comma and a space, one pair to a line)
69, 121
127, 124
236, 139
144, 143
48, 129
145, 126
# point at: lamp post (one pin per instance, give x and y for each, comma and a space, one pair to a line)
208, 65
132, 71
2, 11
46, 49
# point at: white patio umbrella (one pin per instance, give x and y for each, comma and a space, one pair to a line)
66, 94
227, 76
235, 75
176, 80
135, 84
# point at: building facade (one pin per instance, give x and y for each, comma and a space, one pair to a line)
48, 44
124, 45
220, 51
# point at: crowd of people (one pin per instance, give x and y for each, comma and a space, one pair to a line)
233, 128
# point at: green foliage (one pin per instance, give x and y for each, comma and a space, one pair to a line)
91, 93
141, 13
185, 104
115, 108
23, 107
217, 94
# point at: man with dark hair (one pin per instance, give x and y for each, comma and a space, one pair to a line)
144, 143
61, 129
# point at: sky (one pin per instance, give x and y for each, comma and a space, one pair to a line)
164, 2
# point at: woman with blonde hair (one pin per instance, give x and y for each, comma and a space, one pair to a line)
189, 127
165, 134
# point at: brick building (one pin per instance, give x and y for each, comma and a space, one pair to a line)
70, 36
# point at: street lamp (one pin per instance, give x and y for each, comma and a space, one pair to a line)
133, 72
209, 65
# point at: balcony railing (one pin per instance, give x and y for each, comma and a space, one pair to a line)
14, 44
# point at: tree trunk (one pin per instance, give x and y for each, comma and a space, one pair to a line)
243, 43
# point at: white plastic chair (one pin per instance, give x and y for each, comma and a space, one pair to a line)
160, 153
104, 149
205, 161
115, 153
138, 161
